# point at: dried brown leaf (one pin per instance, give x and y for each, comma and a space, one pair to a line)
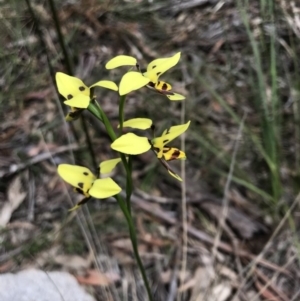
96, 278
203, 279
73, 262
15, 196
221, 292
6, 266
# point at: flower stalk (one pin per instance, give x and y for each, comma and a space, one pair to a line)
79, 97
133, 239
125, 207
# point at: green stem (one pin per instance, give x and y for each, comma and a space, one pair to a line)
60, 36
127, 165
97, 111
129, 185
134, 243
92, 108
121, 113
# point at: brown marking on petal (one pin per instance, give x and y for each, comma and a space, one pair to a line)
158, 73
86, 173
80, 185
175, 155
154, 67
165, 141
70, 96
164, 86
79, 190
156, 149
151, 84
166, 149
81, 88
74, 114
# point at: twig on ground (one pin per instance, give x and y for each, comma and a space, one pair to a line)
39, 158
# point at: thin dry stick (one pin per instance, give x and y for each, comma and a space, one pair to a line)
183, 206
50, 279
226, 192
42, 157
269, 283
31, 198
183, 211
83, 223
182, 215
100, 248
173, 282
296, 296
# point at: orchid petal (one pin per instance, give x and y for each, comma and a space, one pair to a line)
170, 171
169, 135
173, 174
80, 101
106, 84
157, 67
70, 86
138, 123
132, 81
104, 188
174, 96
108, 165
171, 153
77, 176
131, 144
121, 60
163, 86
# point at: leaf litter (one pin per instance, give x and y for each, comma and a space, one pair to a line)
213, 39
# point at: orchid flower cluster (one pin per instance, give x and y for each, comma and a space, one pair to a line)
79, 97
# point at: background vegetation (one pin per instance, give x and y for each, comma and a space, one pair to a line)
233, 225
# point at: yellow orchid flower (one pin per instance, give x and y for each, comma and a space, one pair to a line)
86, 183
76, 93
133, 144
134, 80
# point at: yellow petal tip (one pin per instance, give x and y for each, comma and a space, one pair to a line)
121, 60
